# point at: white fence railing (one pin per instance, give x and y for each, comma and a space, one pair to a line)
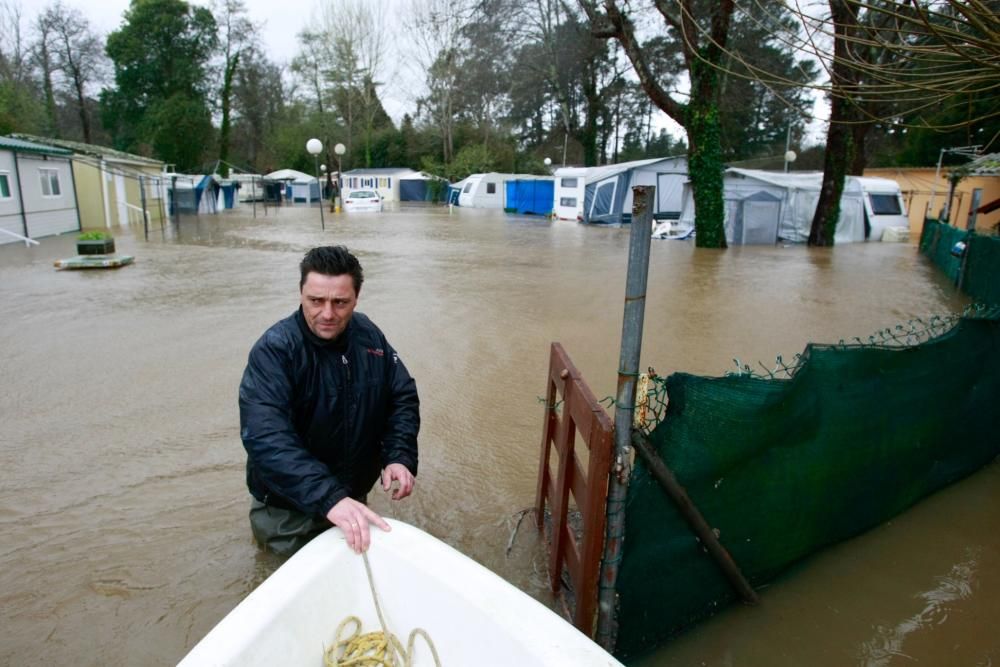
136, 214
27, 241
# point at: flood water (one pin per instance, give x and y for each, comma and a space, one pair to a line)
123, 506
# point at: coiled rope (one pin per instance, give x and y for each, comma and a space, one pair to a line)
373, 649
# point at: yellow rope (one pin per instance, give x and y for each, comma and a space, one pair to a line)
373, 649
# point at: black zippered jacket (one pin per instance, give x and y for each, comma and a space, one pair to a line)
319, 419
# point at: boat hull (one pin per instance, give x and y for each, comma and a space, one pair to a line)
472, 615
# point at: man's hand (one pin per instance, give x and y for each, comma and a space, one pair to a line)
397, 472
353, 518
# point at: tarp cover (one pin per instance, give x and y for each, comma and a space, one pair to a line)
530, 196
783, 467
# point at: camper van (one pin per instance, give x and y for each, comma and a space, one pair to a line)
884, 207
484, 190
567, 199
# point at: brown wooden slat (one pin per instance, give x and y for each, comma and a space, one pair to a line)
580, 413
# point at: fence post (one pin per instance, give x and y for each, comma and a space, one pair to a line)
628, 372
145, 214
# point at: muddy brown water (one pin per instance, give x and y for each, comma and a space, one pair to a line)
122, 502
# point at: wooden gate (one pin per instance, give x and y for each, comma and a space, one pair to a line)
570, 408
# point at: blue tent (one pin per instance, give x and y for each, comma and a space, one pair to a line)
419, 189
608, 194
532, 196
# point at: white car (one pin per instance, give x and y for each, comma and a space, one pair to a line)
362, 200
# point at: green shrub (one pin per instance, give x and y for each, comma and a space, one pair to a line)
94, 236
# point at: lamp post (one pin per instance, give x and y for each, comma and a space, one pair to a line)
789, 158
315, 146
789, 154
339, 149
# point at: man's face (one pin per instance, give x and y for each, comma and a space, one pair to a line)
328, 303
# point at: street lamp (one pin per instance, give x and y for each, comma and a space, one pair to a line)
548, 163
339, 149
315, 146
789, 158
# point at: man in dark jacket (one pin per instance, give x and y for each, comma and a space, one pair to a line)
325, 405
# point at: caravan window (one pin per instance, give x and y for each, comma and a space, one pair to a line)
568, 182
567, 201
50, 182
4, 186
468, 186
885, 204
491, 188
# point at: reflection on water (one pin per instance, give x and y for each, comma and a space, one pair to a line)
953, 587
123, 506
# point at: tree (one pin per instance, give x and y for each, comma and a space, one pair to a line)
260, 101
839, 145
160, 56
19, 106
435, 28
758, 117
43, 58
77, 54
237, 34
702, 34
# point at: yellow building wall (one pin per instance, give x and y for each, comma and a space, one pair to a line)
88, 195
919, 187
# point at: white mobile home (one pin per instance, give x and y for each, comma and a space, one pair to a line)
608, 192
37, 191
570, 187
393, 184
884, 206
298, 186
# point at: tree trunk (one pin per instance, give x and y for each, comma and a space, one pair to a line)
839, 150
81, 108
225, 127
839, 147
52, 126
705, 170
588, 133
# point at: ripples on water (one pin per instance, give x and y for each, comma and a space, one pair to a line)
123, 506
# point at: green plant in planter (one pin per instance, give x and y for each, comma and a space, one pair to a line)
94, 236
95, 243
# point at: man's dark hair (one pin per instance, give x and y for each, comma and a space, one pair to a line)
332, 260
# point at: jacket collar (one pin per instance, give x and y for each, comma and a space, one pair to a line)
339, 343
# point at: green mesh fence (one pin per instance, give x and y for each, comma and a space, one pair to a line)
982, 270
783, 462
936, 242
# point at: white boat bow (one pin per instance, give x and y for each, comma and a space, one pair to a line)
473, 616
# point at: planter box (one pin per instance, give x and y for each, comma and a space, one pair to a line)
95, 247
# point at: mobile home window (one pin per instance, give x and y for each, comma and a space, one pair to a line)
885, 204
4, 186
568, 182
491, 188
50, 182
567, 201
